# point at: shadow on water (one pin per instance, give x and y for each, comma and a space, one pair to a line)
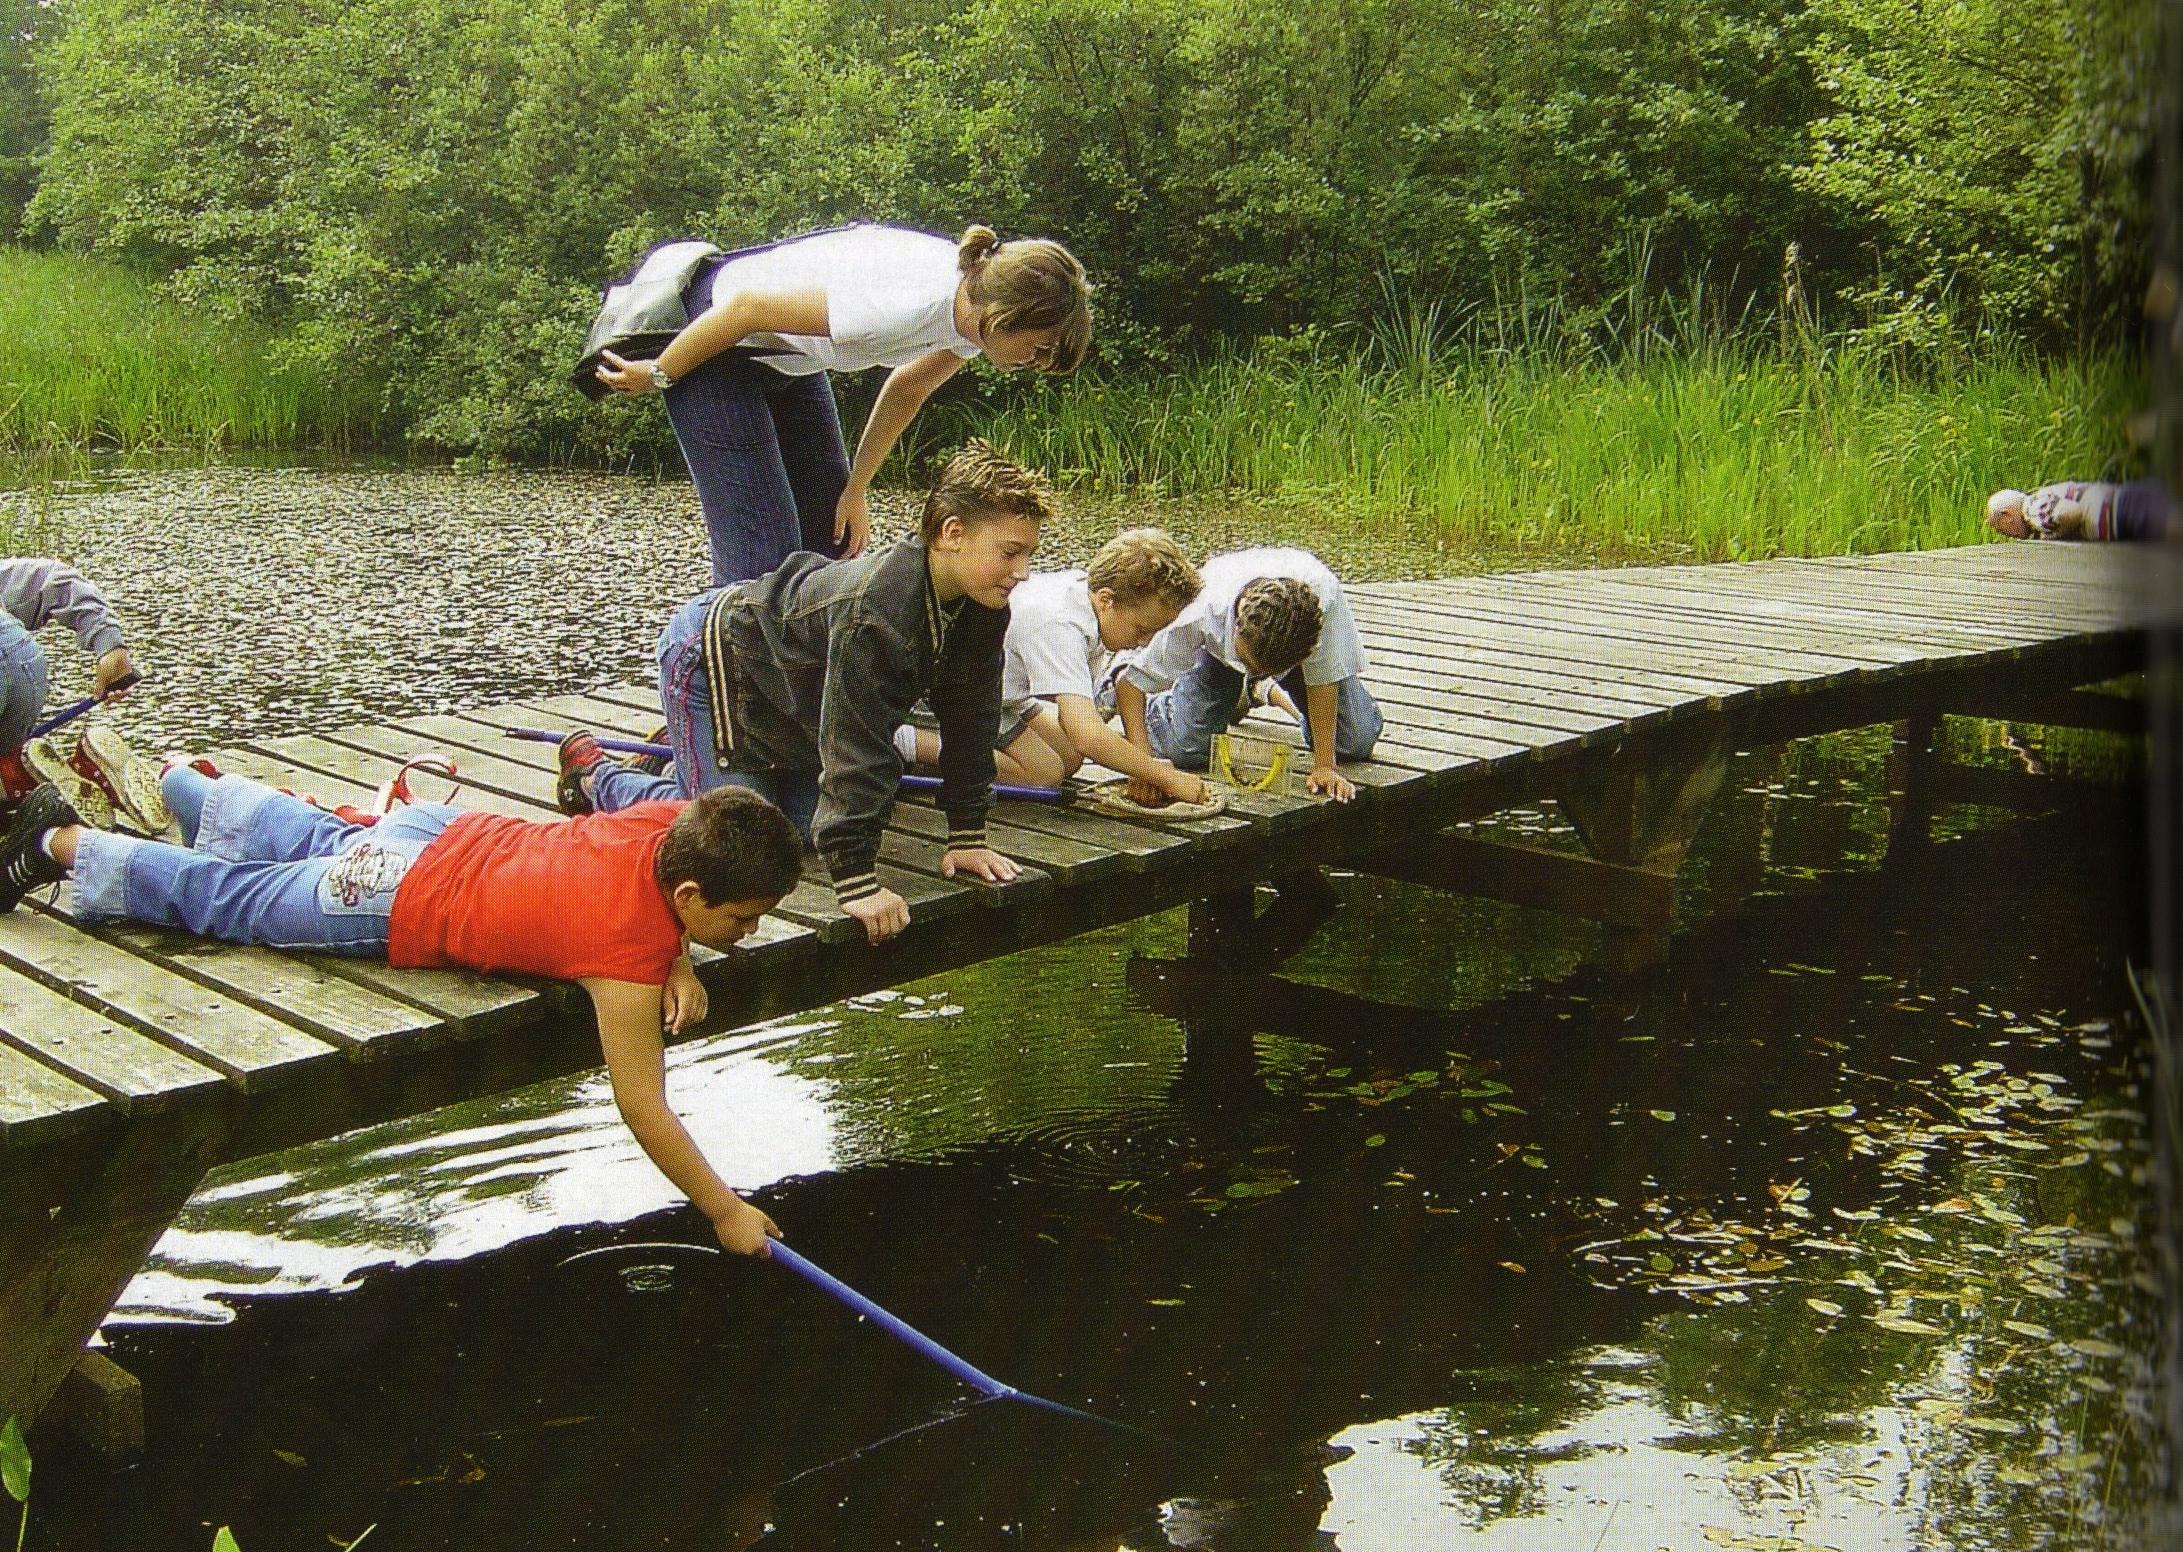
1764, 1243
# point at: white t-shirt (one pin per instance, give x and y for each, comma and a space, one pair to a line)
890, 297
1209, 623
1053, 646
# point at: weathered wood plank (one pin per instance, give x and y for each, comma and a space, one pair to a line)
120, 1064
39, 1105
252, 1050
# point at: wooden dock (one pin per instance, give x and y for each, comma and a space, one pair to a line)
133, 1059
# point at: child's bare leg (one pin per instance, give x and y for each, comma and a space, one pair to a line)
1046, 725
1029, 761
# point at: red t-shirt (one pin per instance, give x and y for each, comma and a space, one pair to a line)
559, 898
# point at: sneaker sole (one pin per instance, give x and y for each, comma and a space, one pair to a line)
84, 795
134, 781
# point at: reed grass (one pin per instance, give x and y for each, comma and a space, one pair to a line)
1729, 447
92, 359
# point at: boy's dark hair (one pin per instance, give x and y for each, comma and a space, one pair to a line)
733, 845
982, 482
1278, 618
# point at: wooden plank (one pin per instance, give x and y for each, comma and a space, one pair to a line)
2125, 715
311, 762
253, 1051
293, 988
39, 1105
1913, 608
1531, 876
1445, 639
1534, 687
511, 778
1917, 593
120, 1064
1069, 861
1775, 596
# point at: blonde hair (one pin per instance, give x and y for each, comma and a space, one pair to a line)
1279, 619
1141, 563
980, 483
1029, 283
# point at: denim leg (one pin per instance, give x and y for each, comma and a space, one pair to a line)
794, 793
686, 698
615, 786
2141, 510
727, 436
1182, 719
807, 426
23, 683
246, 821
185, 789
1357, 719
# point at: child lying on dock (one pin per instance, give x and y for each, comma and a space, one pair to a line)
1275, 614
792, 684
1064, 628
608, 902
2084, 509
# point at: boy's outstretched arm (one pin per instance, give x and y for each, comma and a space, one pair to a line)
1129, 701
1321, 702
1094, 740
636, 1061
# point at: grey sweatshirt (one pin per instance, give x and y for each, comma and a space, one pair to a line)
36, 591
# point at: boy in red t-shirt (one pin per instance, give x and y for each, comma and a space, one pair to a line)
607, 901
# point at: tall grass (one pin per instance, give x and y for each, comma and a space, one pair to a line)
1662, 432
90, 359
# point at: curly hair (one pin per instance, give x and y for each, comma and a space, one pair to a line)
1141, 563
1030, 283
734, 845
1278, 619
981, 482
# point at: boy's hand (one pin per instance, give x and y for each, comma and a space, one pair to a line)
1150, 793
745, 1230
884, 915
1326, 779
114, 673
852, 522
683, 999
1184, 786
980, 862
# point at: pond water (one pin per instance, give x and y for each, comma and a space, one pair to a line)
1831, 1233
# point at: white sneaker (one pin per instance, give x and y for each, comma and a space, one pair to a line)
84, 795
133, 779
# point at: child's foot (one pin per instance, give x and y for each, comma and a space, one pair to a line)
580, 754
23, 862
104, 754
651, 764
84, 795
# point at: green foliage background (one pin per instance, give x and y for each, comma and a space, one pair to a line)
420, 197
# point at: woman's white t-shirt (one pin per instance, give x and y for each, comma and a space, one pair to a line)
890, 297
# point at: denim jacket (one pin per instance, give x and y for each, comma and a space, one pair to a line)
818, 662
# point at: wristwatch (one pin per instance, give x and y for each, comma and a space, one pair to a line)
662, 379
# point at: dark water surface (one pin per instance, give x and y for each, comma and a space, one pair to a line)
1830, 1234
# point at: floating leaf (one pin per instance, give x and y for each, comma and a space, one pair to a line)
290, 1458
1663, 1115
1512, 1266
1906, 1325
1376, 1140
14, 1461
2026, 1328
2093, 1347
1824, 1307
2077, 1461
223, 1540
1993, 1424
1167, 1303
1660, 1262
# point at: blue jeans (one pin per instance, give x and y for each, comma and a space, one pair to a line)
765, 452
22, 682
261, 867
1183, 718
795, 793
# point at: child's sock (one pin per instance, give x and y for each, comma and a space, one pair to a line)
45, 844
905, 743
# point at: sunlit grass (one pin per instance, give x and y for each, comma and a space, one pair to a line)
1725, 450
91, 358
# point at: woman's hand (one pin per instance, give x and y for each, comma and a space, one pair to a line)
852, 521
630, 377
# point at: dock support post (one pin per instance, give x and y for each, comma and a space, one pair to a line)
1639, 807
70, 1239
1910, 796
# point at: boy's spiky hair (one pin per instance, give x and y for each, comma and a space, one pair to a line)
734, 845
982, 482
1141, 563
1279, 619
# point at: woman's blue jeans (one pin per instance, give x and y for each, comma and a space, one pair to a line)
765, 452
261, 867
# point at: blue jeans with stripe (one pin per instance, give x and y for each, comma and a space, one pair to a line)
1182, 719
